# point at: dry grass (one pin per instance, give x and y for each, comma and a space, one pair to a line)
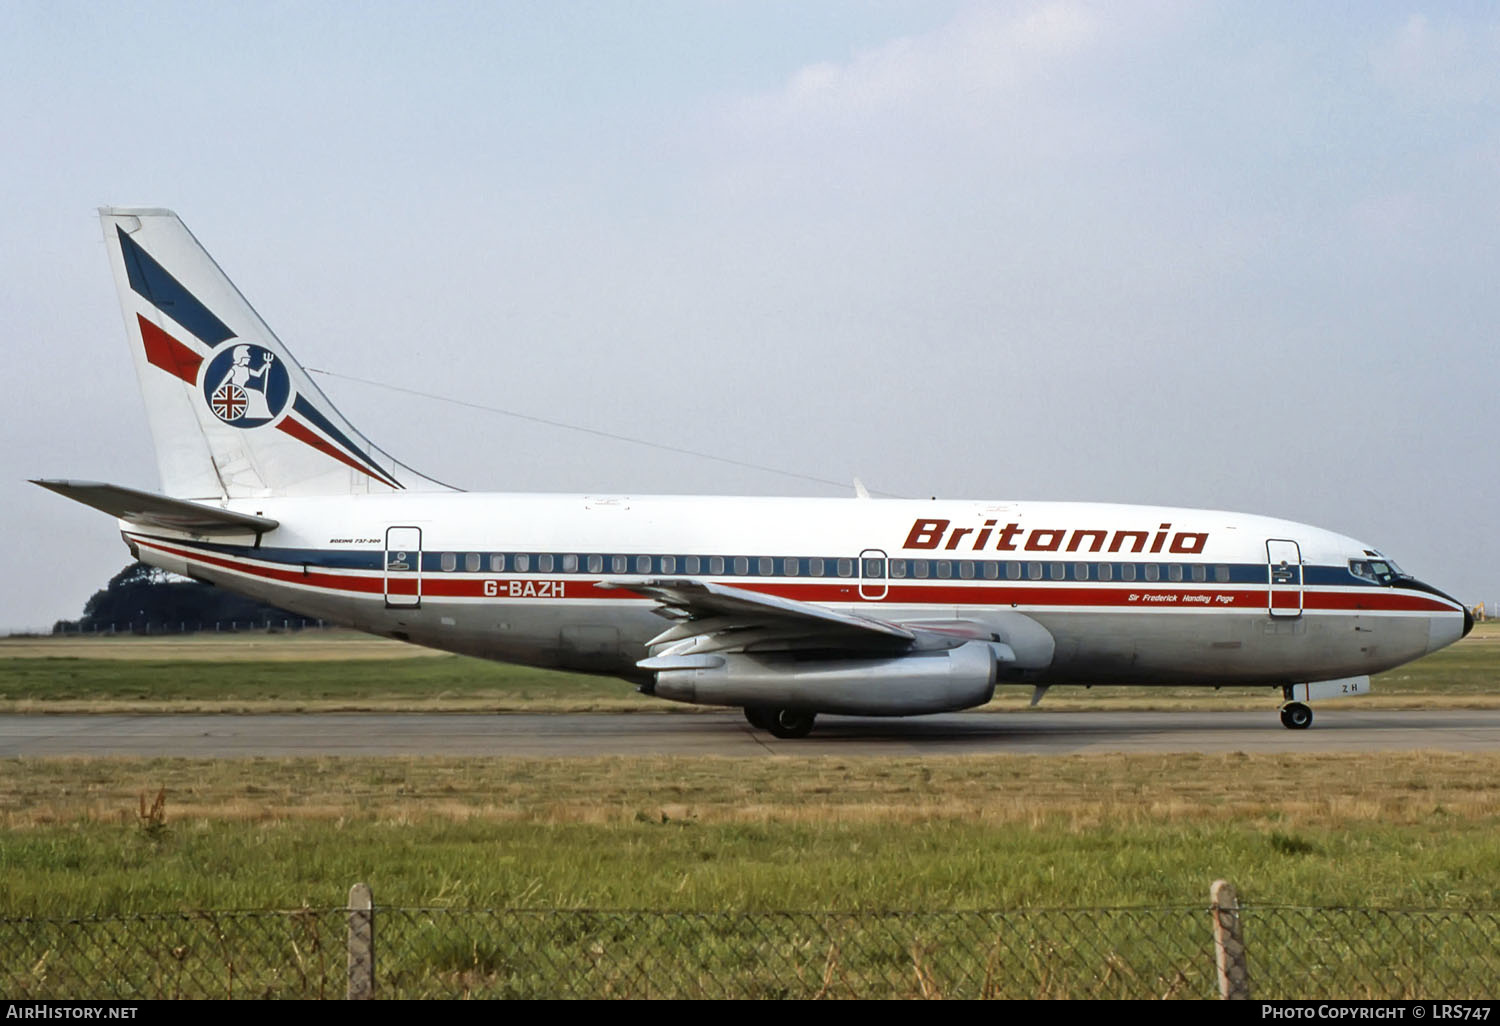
214, 647
1077, 793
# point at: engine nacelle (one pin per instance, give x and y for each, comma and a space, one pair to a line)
904, 686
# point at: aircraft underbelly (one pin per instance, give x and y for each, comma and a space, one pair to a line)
1225, 648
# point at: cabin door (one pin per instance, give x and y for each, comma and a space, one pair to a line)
403, 567
872, 575
1284, 569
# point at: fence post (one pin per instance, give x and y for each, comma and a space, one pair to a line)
1229, 942
361, 943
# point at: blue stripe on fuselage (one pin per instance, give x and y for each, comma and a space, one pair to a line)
374, 560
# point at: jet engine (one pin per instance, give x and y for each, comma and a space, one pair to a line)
908, 685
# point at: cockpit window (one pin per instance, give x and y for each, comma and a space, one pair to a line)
1381, 571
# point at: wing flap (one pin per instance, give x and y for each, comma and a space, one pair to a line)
145, 509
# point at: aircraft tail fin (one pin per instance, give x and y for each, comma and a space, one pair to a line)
232, 413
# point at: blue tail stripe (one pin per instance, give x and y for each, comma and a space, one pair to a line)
302, 406
152, 282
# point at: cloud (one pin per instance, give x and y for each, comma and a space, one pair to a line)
983, 52
1444, 65
966, 86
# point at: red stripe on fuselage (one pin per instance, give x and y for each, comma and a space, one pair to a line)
303, 433
442, 585
334, 582
164, 351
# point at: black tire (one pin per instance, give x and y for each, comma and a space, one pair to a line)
792, 723
1296, 716
761, 717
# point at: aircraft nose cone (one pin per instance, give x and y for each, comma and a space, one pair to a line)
1468, 622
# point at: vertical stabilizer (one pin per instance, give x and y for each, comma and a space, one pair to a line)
232, 413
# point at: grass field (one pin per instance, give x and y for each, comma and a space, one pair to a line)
704, 833
346, 671
1412, 829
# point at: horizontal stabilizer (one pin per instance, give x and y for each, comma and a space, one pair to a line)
148, 510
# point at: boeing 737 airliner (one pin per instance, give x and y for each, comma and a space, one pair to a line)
785, 607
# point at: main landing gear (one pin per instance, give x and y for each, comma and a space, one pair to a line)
1296, 716
786, 723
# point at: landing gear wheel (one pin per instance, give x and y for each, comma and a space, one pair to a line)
1296, 716
791, 723
761, 717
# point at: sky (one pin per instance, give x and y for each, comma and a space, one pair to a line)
1230, 255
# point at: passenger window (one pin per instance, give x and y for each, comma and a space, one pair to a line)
815, 566
898, 567
873, 568
497, 564
1200, 572
643, 564
991, 570
741, 565
1059, 571
1221, 573
919, 568
544, 563
692, 565
1013, 571
618, 564
846, 568
522, 562
966, 568
793, 566
1127, 572
1153, 572
596, 564
944, 569
767, 566
570, 564
669, 564
1034, 571
1105, 572
1080, 571
450, 561
1174, 571
716, 564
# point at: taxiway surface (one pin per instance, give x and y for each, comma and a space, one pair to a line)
726, 733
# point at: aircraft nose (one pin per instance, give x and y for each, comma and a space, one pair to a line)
1468, 622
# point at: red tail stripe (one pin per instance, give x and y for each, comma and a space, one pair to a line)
164, 351
303, 433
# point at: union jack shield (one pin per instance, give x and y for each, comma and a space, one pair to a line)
229, 402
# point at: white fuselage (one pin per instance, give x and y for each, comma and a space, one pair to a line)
1130, 594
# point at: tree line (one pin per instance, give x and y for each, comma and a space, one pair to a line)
144, 599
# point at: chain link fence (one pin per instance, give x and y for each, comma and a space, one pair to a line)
566, 953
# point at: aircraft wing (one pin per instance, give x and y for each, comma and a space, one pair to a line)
724, 618
146, 509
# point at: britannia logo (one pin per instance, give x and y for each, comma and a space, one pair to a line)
245, 385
